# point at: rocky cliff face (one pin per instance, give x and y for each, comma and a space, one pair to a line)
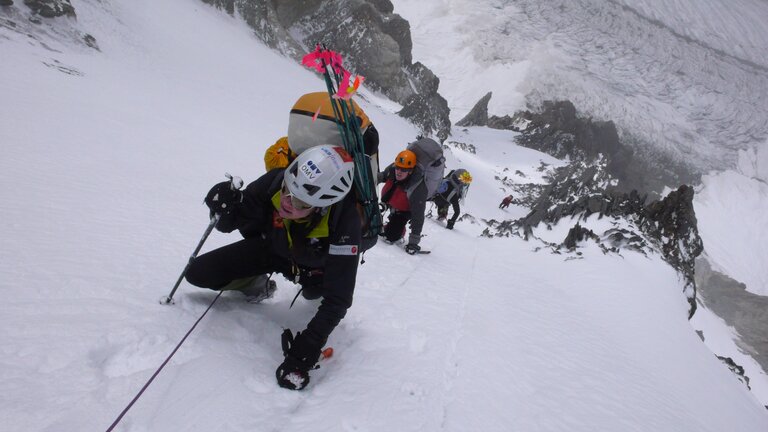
374, 41
583, 189
558, 130
478, 115
46, 22
51, 8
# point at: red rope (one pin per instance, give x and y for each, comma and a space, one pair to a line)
120, 417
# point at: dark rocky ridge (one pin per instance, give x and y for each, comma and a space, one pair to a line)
558, 130
51, 8
736, 369
478, 115
374, 41
47, 23
582, 189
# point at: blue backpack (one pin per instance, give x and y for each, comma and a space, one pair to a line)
443, 186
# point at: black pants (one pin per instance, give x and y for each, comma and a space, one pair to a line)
246, 258
442, 207
394, 230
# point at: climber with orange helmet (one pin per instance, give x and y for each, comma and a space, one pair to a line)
451, 191
395, 196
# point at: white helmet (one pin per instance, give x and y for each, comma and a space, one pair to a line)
321, 176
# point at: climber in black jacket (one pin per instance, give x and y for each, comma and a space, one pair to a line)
301, 222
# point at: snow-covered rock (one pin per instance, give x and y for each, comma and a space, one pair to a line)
374, 41
51, 8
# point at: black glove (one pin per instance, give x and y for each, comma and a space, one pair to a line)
222, 198
301, 355
450, 223
412, 249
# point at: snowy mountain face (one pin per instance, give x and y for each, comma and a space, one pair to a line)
35, 20
684, 82
107, 155
376, 42
684, 78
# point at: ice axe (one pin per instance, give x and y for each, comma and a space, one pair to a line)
235, 183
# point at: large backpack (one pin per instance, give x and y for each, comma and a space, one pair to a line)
453, 182
459, 187
430, 161
313, 121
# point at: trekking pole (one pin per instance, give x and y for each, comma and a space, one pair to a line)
169, 298
235, 183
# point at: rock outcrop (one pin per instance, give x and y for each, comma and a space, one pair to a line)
51, 8
582, 189
50, 23
478, 115
558, 130
672, 221
374, 41
736, 369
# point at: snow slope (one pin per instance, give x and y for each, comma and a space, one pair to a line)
101, 185
688, 76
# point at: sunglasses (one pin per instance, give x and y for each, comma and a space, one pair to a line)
296, 203
404, 170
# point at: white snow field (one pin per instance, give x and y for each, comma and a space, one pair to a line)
102, 177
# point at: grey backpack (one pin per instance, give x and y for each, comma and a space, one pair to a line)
431, 162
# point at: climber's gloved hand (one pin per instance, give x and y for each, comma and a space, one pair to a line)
412, 249
223, 198
301, 355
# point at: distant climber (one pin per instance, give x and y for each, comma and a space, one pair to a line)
451, 191
506, 202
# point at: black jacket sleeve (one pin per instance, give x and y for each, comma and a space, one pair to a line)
340, 272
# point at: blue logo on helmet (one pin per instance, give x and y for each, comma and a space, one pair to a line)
311, 170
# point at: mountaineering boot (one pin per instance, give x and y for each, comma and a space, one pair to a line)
255, 289
260, 292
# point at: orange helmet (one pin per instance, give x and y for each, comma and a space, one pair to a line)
465, 177
406, 159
